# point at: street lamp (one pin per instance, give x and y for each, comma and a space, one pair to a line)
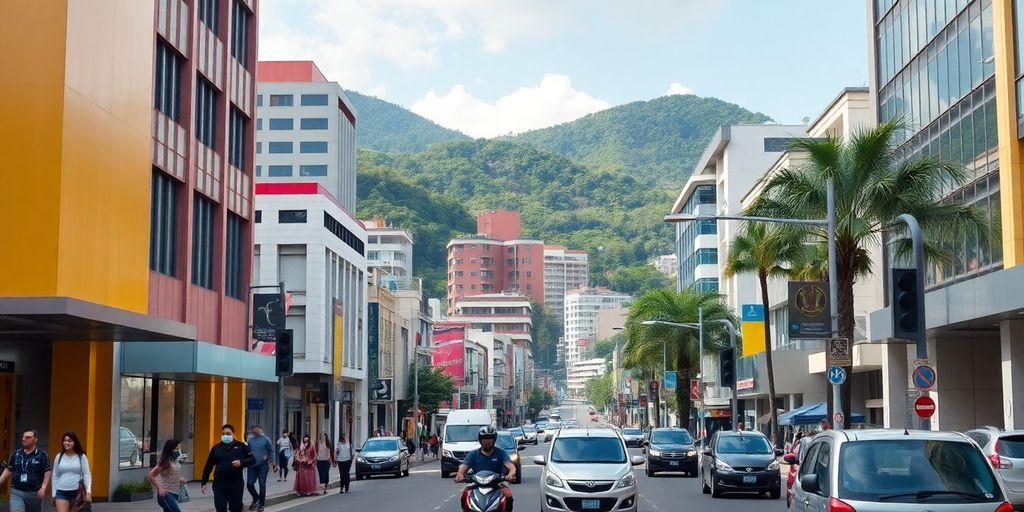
829, 222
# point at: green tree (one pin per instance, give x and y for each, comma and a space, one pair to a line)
545, 331
605, 348
598, 390
874, 184
768, 251
435, 387
538, 400
636, 279
645, 343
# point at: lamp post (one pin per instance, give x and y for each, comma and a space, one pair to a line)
829, 223
664, 353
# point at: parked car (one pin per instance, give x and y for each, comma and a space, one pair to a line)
530, 434
671, 449
633, 437
382, 456
893, 470
508, 443
551, 430
1005, 453
519, 434
740, 461
541, 426
129, 448
588, 470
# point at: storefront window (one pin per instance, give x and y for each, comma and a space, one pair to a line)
152, 412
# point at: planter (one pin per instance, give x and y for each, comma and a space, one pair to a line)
122, 497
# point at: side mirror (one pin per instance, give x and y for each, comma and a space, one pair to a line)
778, 452
643, 450
790, 458
637, 460
521, 448
809, 483
358, 450
539, 460
707, 452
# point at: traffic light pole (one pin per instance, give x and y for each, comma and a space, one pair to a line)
732, 343
920, 336
833, 290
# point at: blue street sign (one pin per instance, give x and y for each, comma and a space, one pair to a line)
254, 404
670, 380
924, 377
752, 313
837, 375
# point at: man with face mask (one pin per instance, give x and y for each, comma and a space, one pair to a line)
489, 458
228, 456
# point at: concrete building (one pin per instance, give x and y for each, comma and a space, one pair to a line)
123, 308
385, 350
667, 264
388, 248
496, 260
306, 129
500, 367
610, 322
578, 374
581, 308
564, 270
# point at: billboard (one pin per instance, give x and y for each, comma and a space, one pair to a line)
752, 328
809, 315
372, 342
338, 339
450, 351
267, 319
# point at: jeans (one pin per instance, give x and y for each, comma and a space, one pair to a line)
228, 495
282, 464
344, 468
168, 502
25, 501
260, 472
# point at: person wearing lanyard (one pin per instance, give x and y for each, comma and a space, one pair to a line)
31, 471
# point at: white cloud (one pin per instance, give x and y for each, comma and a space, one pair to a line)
551, 102
678, 88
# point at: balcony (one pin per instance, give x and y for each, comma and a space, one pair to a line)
397, 283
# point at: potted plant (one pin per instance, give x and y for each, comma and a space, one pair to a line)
132, 491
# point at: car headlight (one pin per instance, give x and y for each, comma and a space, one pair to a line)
448, 453
393, 458
361, 459
722, 465
627, 481
553, 481
654, 453
774, 466
691, 453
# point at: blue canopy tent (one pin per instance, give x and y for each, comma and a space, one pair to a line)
811, 414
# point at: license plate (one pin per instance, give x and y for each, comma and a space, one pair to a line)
591, 504
374, 466
752, 479
673, 463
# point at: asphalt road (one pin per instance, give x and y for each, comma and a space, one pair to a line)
425, 491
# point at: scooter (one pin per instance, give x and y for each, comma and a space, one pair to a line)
483, 493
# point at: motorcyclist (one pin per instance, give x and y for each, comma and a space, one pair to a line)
489, 458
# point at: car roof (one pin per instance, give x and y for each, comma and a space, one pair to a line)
738, 433
670, 429
882, 434
588, 432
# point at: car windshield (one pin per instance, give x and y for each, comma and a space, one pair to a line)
631, 431
380, 445
554, 425
671, 437
506, 442
588, 450
517, 431
529, 428
460, 433
752, 444
915, 471
1012, 446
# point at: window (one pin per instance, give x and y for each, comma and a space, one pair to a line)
152, 412
237, 138
282, 123
167, 97
163, 223
313, 147
343, 233
234, 255
279, 171
259, 124
206, 113
259, 148
314, 100
202, 242
313, 123
312, 170
240, 33
282, 100
258, 217
279, 147
259, 170
259, 100
821, 466
208, 13
291, 217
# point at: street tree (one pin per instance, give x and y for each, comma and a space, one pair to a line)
434, 387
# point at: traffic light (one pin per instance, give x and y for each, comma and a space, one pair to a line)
905, 306
727, 367
284, 353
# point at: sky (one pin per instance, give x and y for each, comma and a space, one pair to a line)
494, 67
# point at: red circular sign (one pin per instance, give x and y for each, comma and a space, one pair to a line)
924, 406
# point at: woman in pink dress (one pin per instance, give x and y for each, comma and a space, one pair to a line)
305, 477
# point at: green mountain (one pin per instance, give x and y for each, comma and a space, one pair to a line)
659, 139
384, 126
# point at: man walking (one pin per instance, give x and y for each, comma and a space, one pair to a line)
228, 456
29, 471
263, 452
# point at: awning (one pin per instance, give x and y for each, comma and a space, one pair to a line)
810, 414
65, 318
186, 360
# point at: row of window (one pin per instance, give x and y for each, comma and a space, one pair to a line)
288, 123
288, 100
240, 33
280, 171
284, 148
910, 27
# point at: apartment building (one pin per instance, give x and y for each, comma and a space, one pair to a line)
581, 319
564, 269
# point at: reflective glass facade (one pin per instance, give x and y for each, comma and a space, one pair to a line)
687, 254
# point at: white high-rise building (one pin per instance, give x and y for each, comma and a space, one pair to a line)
564, 270
388, 248
581, 307
577, 375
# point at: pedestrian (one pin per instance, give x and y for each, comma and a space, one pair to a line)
324, 459
263, 454
423, 446
166, 477
226, 460
305, 468
72, 481
29, 471
825, 425
410, 446
434, 444
284, 455
343, 456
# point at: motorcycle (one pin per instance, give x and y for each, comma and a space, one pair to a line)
483, 493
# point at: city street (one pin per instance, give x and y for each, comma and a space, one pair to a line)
424, 491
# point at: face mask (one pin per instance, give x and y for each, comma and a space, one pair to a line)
176, 454
226, 439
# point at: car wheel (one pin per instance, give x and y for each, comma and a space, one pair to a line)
775, 493
444, 474
647, 471
716, 491
704, 487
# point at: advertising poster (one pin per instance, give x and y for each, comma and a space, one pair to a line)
450, 351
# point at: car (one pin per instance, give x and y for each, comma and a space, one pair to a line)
671, 449
552, 429
128, 447
519, 433
460, 436
740, 461
1005, 453
530, 434
508, 443
382, 456
541, 426
885, 470
588, 470
633, 437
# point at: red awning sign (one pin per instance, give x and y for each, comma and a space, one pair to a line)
924, 407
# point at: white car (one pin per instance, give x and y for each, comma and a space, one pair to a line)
588, 470
551, 430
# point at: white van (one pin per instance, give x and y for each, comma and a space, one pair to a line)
460, 436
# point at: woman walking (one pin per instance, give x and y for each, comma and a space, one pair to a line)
343, 456
324, 459
434, 445
166, 477
305, 473
72, 481
284, 456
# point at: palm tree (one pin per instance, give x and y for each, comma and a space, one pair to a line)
768, 251
874, 183
645, 343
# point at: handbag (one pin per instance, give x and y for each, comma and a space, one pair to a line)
80, 504
183, 496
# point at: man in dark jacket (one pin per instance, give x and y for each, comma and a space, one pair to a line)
228, 457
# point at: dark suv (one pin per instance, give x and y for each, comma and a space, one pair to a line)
738, 461
671, 449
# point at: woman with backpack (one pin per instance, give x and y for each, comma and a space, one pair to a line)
72, 481
166, 477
